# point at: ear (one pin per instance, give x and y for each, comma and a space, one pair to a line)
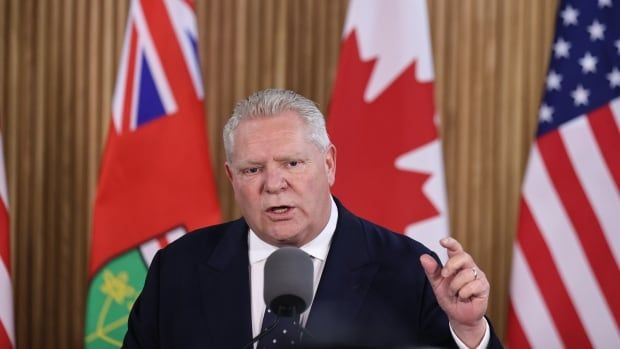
228, 171
330, 164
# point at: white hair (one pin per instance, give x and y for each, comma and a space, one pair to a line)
272, 102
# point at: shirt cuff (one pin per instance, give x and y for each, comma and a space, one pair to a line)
483, 343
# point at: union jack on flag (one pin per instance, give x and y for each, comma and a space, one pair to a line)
565, 272
143, 89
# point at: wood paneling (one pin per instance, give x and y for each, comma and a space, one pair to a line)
58, 62
490, 61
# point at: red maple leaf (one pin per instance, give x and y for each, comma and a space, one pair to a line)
369, 137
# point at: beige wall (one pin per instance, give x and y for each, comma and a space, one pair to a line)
58, 60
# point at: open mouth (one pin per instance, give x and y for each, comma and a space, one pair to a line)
279, 209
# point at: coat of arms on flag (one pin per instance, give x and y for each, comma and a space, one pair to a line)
155, 182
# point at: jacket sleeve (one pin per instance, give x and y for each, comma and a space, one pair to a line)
434, 329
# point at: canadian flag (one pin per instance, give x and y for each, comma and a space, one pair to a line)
382, 120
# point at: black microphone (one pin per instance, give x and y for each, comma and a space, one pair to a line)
288, 283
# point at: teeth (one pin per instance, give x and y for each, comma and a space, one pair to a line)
279, 209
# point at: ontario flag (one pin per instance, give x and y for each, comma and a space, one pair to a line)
7, 323
156, 181
565, 269
382, 119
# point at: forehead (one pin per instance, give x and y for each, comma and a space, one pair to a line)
282, 133
288, 120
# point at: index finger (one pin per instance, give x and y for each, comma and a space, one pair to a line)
452, 245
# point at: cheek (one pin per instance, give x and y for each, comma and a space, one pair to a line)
315, 185
248, 193
242, 192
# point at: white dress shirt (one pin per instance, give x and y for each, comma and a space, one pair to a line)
318, 249
259, 250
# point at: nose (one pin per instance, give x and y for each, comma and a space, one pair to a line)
275, 181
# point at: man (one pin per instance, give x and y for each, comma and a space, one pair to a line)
372, 287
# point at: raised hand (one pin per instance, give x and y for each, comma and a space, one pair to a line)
461, 289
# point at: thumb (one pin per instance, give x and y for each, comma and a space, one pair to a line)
431, 268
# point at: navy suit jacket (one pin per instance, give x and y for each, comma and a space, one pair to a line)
373, 292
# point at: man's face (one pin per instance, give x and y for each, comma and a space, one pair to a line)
281, 179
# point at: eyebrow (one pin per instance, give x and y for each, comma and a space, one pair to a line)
294, 155
278, 158
245, 163
290, 157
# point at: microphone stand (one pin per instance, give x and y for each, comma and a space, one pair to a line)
263, 333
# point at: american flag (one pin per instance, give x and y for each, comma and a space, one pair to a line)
7, 324
565, 273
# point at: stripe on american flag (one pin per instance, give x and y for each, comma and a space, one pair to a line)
6, 305
7, 321
516, 337
608, 138
4, 237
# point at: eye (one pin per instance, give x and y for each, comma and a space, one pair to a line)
295, 165
250, 170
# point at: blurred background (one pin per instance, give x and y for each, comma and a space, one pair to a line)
58, 63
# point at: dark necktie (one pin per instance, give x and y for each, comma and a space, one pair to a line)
286, 334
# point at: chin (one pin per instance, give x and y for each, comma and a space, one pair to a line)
287, 239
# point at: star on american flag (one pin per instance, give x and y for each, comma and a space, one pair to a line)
561, 48
580, 95
569, 15
545, 114
588, 63
553, 81
596, 30
614, 78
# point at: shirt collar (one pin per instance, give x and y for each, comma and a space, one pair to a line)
317, 248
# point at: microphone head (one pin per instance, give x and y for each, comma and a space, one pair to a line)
288, 281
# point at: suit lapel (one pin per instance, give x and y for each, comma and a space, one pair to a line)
347, 275
225, 288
